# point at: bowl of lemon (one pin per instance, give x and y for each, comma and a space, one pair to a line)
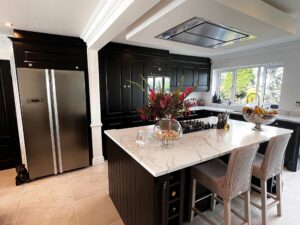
259, 116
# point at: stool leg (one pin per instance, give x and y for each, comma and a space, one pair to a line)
227, 212
193, 196
263, 184
213, 201
279, 193
247, 207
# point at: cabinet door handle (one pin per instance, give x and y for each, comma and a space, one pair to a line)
124, 86
30, 64
129, 86
76, 67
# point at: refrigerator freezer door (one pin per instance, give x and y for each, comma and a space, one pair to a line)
70, 106
35, 104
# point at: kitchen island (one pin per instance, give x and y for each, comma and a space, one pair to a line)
148, 184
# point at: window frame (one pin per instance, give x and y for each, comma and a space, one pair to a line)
261, 73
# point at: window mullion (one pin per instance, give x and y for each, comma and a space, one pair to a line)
264, 83
258, 83
233, 85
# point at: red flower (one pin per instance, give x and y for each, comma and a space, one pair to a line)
188, 91
152, 95
184, 94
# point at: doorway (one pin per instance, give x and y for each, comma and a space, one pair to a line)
10, 155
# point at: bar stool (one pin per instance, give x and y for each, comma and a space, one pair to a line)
225, 181
267, 166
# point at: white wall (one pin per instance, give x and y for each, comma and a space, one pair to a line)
289, 56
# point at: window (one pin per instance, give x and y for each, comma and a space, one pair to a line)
156, 83
237, 83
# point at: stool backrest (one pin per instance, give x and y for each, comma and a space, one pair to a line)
239, 171
273, 159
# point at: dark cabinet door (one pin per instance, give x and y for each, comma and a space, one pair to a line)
202, 78
136, 95
188, 71
120, 97
112, 87
187, 74
159, 66
9, 139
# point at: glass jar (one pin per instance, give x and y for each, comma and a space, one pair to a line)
167, 129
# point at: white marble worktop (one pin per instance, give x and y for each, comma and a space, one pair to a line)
294, 119
193, 148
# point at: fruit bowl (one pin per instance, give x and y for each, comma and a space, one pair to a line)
258, 120
259, 116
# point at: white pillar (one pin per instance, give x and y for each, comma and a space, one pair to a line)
93, 70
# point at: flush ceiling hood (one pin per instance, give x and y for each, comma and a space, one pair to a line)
204, 33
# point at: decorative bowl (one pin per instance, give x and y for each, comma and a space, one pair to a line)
258, 119
167, 129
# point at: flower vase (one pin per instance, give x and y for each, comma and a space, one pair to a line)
167, 129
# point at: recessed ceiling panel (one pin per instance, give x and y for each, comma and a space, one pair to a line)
216, 32
195, 39
203, 33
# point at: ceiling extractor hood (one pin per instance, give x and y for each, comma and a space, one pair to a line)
204, 33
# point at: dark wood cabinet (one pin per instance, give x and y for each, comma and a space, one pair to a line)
38, 50
189, 70
120, 97
9, 139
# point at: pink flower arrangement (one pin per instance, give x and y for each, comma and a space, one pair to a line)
161, 104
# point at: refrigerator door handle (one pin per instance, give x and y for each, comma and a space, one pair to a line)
51, 120
56, 121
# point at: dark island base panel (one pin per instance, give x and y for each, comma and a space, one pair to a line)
142, 199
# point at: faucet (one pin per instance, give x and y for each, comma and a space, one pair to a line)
228, 101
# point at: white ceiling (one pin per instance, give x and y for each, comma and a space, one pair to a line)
270, 25
64, 17
272, 21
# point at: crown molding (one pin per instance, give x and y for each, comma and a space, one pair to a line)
105, 13
258, 50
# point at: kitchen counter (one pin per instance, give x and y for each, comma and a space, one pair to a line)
294, 119
148, 185
193, 148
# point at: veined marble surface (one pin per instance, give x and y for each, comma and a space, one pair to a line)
193, 148
294, 119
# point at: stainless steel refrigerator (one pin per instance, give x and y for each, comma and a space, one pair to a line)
53, 104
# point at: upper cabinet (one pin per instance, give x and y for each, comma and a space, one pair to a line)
121, 96
120, 64
39, 50
121, 68
189, 70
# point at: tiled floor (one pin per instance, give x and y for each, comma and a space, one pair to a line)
81, 198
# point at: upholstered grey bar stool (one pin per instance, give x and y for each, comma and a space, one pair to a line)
225, 181
267, 166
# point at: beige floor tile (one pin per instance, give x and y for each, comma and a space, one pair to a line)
9, 205
119, 222
93, 170
96, 210
89, 185
45, 196
62, 215
8, 173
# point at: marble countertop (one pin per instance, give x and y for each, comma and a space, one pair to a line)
193, 148
295, 119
